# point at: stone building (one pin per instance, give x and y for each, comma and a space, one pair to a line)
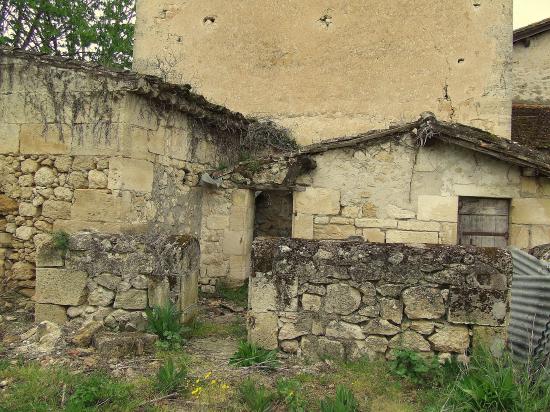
531, 109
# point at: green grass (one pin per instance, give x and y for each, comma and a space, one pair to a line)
165, 322
249, 354
205, 329
238, 296
170, 377
60, 241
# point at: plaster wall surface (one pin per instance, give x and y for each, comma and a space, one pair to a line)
532, 70
327, 68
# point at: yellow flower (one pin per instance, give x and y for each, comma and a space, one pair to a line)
197, 381
207, 375
213, 381
225, 386
196, 391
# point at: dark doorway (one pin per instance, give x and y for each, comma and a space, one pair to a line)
273, 214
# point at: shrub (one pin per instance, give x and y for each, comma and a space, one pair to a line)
165, 323
248, 354
60, 241
499, 384
412, 366
257, 399
344, 401
98, 390
170, 378
289, 392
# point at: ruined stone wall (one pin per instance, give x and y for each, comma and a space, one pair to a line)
354, 299
397, 192
333, 68
112, 279
531, 70
78, 151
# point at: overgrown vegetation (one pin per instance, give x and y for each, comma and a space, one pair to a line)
249, 354
165, 323
204, 329
256, 398
171, 378
60, 241
344, 401
238, 295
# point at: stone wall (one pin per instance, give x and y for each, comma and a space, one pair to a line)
351, 299
112, 279
398, 192
313, 67
531, 68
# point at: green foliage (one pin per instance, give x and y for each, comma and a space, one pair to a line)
256, 398
96, 30
412, 366
248, 354
96, 391
499, 385
170, 378
344, 401
165, 323
203, 329
238, 295
289, 392
60, 241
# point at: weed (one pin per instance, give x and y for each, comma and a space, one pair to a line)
170, 378
221, 166
289, 392
60, 241
98, 390
248, 354
238, 295
203, 329
412, 366
165, 323
256, 398
344, 401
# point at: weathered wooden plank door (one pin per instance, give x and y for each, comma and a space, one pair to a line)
483, 221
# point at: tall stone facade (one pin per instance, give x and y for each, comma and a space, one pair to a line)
531, 70
334, 68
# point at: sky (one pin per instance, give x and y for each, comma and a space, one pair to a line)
530, 11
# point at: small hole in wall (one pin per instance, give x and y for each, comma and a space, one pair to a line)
209, 20
477, 4
326, 20
461, 60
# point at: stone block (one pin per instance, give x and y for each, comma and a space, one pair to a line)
410, 340
540, 235
98, 205
371, 347
529, 186
399, 213
262, 293
22, 271
342, 299
5, 239
343, 330
242, 198
55, 209
7, 205
60, 286
101, 296
73, 226
302, 226
45, 139
391, 309
333, 231
454, 339
438, 208
189, 295
311, 302
158, 292
380, 327
9, 138
235, 243
400, 236
374, 235
118, 345
263, 329
418, 226
51, 313
315, 348
422, 302
317, 201
130, 174
376, 223
48, 256
530, 211
133, 299
478, 306
448, 234
217, 222
293, 330
519, 236
97, 179
492, 338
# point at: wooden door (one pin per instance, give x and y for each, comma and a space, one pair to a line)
483, 221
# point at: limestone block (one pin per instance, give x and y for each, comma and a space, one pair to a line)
311, 302
131, 299
423, 302
438, 208
235, 243
158, 292
9, 138
101, 297
130, 174
262, 294
47, 255
371, 347
77, 180
400, 236
374, 235
317, 201
7, 205
390, 290
262, 329
540, 235
24, 232
63, 163
530, 211
97, 179
5, 239
73, 226
314, 348
418, 226
45, 176
399, 213
333, 231
60, 286
339, 220
242, 198
410, 340
239, 268
529, 186
489, 337
29, 166
380, 327
343, 330
478, 306
55, 209
376, 223
448, 234
351, 211
241, 218
294, 330
519, 236
302, 226
51, 313
342, 299
189, 296
391, 309
45, 139
63, 193
451, 339
22, 271
290, 346
424, 327
217, 222
98, 205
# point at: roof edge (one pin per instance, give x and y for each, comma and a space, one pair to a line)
532, 30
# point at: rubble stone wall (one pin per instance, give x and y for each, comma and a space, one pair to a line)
531, 70
112, 279
397, 192
352, 299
